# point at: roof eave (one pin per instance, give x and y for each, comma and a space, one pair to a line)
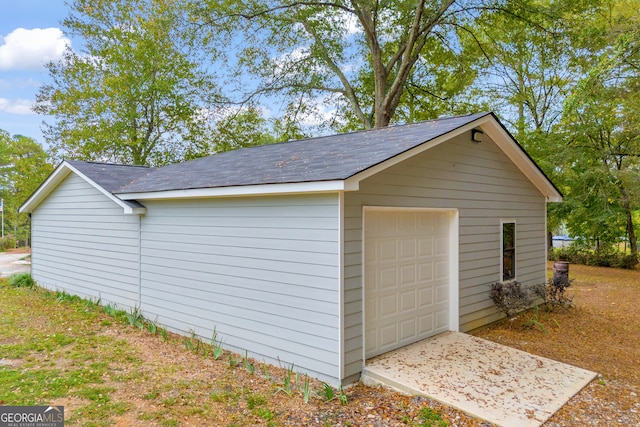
332, 186
57, 176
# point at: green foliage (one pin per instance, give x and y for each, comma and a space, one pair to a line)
242, 128
21, 280
368, 66
216, 345
192, 343
605, 257
38, 379
328, 394
524, 49
135, 318
23, 166
306, 389
536, 321
137, 92
8, 242
601, 131
287, 381
430, 418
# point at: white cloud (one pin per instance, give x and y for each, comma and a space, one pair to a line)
24, 49
17, 106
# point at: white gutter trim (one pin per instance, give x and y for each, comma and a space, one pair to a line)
246, 190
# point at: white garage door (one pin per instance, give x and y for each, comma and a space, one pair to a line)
406, 277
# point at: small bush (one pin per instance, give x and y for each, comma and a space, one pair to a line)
511, 297
22, 280
553, 292
8, 242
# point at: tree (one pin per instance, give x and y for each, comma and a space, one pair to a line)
374, 62
602, 126
527, 63
23, 166
135, 93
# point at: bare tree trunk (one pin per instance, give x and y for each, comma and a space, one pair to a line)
633, 239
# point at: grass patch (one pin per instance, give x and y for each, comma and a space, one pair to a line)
57, 352
21, 280
429, 417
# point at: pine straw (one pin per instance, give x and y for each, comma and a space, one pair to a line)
600, 333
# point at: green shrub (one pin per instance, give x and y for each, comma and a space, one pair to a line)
22, 280
599, 258
7, 242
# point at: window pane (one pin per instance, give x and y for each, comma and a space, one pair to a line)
508, 251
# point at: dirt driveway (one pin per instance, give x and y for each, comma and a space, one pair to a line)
13, 262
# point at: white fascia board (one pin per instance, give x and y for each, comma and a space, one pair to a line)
56, 178
45, 188
245, 190
128, 209
355, 179
522, 161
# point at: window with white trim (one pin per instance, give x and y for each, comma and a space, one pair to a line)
508, 250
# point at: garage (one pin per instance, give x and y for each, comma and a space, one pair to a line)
408, 276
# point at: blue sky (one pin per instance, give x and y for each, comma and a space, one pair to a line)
30, 34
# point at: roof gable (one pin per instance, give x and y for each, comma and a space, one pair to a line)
106, 178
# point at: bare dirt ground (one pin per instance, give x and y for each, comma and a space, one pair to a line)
165, 383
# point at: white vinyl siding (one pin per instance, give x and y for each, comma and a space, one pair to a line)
84, 244
262, 271
484, 186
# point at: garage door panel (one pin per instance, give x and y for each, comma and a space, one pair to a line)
442, 319
388, 306
408, 301
442, 245
442, 294
388, 335
425, 223
407, 330
425, 272
387, 278
425, 297
407, 248
406, 277
387, 251
425, 246
426, 322
406, 225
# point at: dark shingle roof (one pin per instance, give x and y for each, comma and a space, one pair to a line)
111, 177
328, 158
